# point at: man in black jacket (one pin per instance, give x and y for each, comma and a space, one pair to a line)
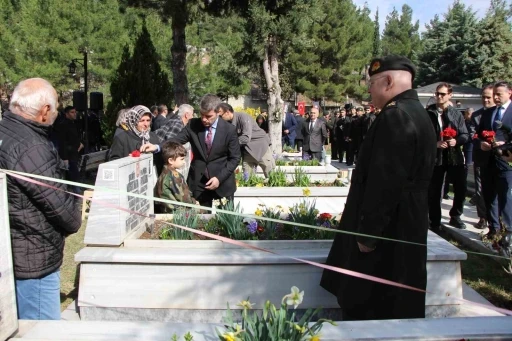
40, 218
450, 158
387, 198
340, 134
70, 144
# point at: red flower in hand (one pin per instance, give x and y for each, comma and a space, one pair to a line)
448, 134
488, 136
135, 153
475, 136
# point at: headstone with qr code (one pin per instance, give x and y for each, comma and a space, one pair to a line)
107, 224
8, 314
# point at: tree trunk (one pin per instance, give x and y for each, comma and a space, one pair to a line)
179, 57
275, 103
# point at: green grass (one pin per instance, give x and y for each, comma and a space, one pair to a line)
487, 277
69, 271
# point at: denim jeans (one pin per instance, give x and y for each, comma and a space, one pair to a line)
39, 299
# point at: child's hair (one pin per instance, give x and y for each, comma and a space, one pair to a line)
172, 150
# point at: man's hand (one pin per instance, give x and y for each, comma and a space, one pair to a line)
507, 158
148, 148
497, 144
442, 144
485, 146
212, 184
364, 248
66, 163
286, 131
452, 142
80, 147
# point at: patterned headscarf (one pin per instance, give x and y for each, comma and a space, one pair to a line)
132, 119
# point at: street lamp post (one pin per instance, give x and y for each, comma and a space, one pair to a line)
72, 71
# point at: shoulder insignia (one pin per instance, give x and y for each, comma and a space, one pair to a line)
391, 104
376, 66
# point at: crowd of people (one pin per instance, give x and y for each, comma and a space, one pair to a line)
403, 153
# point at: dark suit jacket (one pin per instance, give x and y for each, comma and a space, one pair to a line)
480, 158
314, 139
158, 122
487, 124
222, 161
290, 124
298, 131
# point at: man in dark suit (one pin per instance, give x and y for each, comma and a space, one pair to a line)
480, 158
314, 133
497, 176
289, 127
161, 118
298, 138
216, 151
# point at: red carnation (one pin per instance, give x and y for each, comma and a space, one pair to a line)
135, 153
475, 136
260, 229
325, 216
488, 136
448, 134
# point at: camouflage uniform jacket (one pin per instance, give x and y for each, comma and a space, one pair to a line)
171, 185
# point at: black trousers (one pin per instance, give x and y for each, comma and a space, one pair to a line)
334, 149
342, 147
350, 153
298, 144
479, 197
456, 174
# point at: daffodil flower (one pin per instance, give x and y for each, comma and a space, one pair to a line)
216, 203
245, 304
294, 298
306, 192
258, 212
314, 338
301, 329
223, 201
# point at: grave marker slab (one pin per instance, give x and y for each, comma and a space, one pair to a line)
8, 314
107, 225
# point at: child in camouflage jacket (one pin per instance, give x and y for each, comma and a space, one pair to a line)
171, 184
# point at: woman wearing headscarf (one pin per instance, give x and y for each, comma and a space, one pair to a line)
138, 120
121, 122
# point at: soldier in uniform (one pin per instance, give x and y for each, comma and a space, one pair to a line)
388, 198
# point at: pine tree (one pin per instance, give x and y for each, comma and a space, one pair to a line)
400, 35
377, 49
329, 64
449, 52
494, 44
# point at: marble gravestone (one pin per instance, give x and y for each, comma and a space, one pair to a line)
8, 314
108, 225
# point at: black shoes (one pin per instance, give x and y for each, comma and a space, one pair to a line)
457, 222
482, 224
435, 229
447, 197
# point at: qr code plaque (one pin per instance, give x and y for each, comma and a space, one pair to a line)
108, 174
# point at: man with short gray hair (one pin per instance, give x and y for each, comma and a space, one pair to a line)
40, 218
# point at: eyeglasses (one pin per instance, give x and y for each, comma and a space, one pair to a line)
371, 82
442, 94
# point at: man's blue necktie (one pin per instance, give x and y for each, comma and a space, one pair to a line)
497, 117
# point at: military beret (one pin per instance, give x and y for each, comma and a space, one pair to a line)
316, 106
391, 63
359, 109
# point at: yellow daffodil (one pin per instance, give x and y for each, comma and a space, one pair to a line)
229, 337
314, 338
245, 304
294, 298
302, 329
306, 192
258, 212
259, 185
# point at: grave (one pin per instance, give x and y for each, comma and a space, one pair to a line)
327, 173
8, 312
106, 224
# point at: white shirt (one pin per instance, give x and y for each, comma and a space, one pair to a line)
440, 118
504, 106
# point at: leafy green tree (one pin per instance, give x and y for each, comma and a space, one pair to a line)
494, 44
400, 35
